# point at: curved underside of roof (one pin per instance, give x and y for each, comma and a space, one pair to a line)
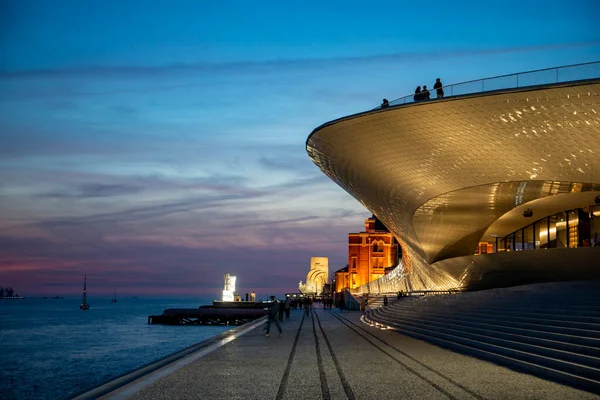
445, 174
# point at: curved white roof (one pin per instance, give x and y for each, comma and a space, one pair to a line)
446, 173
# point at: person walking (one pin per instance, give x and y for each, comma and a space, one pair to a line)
385, 300
385, 103
287, 305
307, 305
281, 310
425, 93
342, 302
273, 311
439, 88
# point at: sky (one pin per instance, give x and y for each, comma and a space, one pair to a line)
156, 146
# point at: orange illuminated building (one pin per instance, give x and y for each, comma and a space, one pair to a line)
484, 248
370, 253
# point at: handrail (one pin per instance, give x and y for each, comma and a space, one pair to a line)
423, 292
567, 73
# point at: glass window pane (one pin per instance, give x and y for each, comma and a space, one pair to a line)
510, 242
519, 240
561, 230
529, 243
573, 223
552, 231
595, 225
541, 230
584, 228
506, 242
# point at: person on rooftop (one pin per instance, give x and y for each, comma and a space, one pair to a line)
439, 88
385, 103
418, 95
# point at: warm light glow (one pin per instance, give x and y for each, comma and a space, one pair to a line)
544, 233
229, 289
316, 277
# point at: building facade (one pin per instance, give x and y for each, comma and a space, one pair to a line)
370, 253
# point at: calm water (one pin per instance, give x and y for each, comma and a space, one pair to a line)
49, 349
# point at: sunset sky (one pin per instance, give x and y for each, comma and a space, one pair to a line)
157, 145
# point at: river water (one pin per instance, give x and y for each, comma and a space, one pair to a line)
49, 349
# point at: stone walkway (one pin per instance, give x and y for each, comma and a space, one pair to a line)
330, 355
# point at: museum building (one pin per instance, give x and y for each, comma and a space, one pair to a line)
495, 184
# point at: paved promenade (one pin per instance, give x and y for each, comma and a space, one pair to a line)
331, 355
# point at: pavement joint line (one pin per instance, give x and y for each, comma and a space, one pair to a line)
413, 370
322, 376
343, 379
145, 381
286, 373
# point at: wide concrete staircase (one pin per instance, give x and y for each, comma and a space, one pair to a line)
550, 330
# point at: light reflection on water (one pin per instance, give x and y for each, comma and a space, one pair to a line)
50, 349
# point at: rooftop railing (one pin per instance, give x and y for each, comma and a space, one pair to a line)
570, 73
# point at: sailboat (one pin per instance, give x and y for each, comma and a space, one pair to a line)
84, 304
114, 300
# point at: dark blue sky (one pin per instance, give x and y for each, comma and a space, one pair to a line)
158, 145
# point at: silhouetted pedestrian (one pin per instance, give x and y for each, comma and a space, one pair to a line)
307, 305
385, 103
281, 310
438, 87
418, 96
385, 300
287, 306
342, 303
425, 93
273, 311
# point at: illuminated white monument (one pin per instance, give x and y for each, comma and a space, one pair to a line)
229, 289
316, 277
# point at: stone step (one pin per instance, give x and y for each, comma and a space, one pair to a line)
527, 322
557, 370
551, 337
586, 356
567, 311
591, 303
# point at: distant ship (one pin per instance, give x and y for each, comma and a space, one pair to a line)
84, 304
9, 294
114, 299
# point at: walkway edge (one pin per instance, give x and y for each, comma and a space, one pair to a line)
167, 365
